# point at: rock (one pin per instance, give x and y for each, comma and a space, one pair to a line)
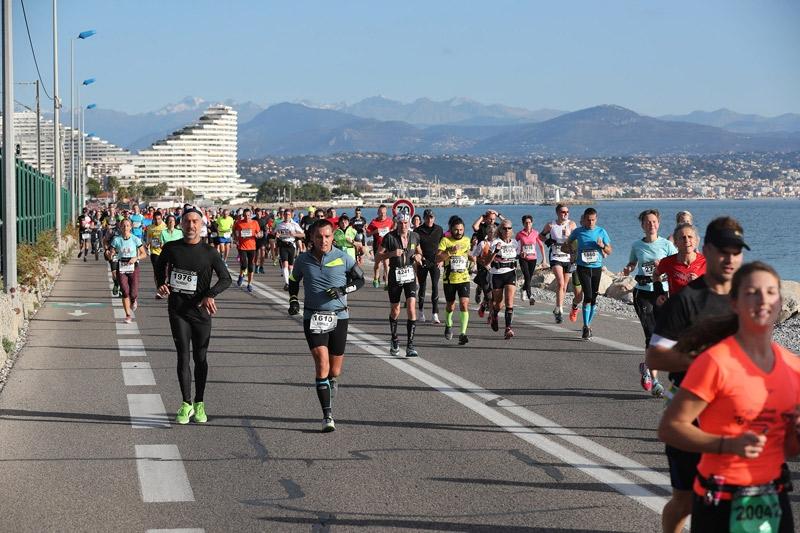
790, 292
621, 289
606, 280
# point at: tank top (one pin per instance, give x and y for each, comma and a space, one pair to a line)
559, 233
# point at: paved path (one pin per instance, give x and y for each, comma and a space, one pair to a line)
544, 432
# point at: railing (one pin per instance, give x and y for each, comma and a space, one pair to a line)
36, 203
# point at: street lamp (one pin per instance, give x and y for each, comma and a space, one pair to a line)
82, 146
81, 180
72, 110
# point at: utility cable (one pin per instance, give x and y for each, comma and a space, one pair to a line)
33, 52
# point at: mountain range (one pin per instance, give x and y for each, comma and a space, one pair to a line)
459, 125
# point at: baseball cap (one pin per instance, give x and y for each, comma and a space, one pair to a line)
724, 238
191, 209
427, 213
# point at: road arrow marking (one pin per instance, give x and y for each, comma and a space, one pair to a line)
77, 312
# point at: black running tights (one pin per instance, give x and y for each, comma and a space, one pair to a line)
195, 328
528, 267
590, 281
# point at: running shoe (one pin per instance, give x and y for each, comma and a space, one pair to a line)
286, 287
481, 311
647, 378
200, 413
84, 258
239, 280
448, 333
274, 262
328, 425
658, 389
394, 348
462, 339
422, 316
531, 300
376, 283
493, 323
573, 314
509, 333
249, 288
477, 296
115, 290
411, 351
184, 413
80, 253
135, 305
261, 270
127, 320
435, 318
586, 333
558, 316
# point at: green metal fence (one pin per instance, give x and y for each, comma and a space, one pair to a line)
36, 204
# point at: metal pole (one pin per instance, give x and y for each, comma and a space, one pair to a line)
9, 261
78, 182
74, 199
56, 122
38, 130
82, 148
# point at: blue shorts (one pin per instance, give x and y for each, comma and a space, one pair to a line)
223, 240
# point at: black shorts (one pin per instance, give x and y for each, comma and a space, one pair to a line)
409, 289
562, 264
334, 340
501, 280
246, 259
286, 252
576, 280
451, 290
682, 468
261, 243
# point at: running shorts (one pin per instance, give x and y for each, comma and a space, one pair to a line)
682, 468
451, 290
501, 280
286, 252
247, 259
562, 264
335, 340
223, 240
409, 289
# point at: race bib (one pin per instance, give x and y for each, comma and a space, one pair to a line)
649, 268
246, 233
86, 236
383, 231
590, 256
214, 234
227, 235
529, 249
323, 322
125, 267
404, 275
508, 252
183, 281
458, 263
755, 514
155, 242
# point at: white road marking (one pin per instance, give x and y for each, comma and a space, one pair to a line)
185, 530
137, 374
119, 313
127, 329
131, 348
147, 411
599, 340
162, 476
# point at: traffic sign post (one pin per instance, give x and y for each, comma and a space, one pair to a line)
403, 206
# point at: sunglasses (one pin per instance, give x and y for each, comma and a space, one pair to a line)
507, 227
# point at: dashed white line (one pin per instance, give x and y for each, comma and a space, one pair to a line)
147, 411
131, 348
137, 374
162, 476
126, 329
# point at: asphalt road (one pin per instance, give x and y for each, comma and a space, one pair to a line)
543, 432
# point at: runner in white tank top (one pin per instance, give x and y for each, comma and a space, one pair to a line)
556, 233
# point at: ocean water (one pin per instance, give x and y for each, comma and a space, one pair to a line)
769, 225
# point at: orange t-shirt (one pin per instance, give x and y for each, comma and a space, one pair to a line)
743, 397
240, 229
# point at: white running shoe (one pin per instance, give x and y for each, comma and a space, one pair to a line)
328, 425
422, 316
435, 318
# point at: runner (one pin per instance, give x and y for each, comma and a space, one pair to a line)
128, 250
359, 223
245, 232
430, 237
593, 245
137, 222
153, 241
225, 224
706, 297
454, 252
288, 232
262, 242
184, 271
556, 234
501, 256
528, 239
416, 221
647, 253
111, 231
744, 391
378, 229
484, 221
685, 266
345, 237
683, 217
85, 227
328, 275
483, 279
401, 248
171, 232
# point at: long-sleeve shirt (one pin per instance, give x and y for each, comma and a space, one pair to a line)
187, 268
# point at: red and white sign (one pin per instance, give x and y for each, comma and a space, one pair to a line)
403, 206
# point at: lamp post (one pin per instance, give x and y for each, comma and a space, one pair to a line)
82, 36
83, 148
9, 228
81, 184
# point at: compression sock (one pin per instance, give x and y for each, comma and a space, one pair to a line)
324, 395
286, 275
393, 327
334, 381
464, 321
509, 316
448, 319
594, 312
587, 314
411, 329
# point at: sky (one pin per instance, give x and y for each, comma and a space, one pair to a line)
653, 57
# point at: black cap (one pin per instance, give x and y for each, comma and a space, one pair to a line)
192, 209
725, 238
427, 213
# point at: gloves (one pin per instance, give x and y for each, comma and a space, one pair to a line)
294, 305
335, 292
549, 242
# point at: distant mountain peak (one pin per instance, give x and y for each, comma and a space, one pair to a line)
187, 104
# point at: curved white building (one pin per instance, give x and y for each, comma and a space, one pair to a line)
201, 157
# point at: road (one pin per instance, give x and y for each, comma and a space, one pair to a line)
544, 432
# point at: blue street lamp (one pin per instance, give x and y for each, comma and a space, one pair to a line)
86, 34
88, 81
91, 106
77, 189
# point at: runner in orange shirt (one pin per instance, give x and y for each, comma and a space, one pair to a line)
245, 232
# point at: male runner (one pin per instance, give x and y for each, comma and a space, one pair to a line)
137, 221
401, 248
378, 229
454, 253
359, 223
328, 275
703, 298
430, 236
246, 231
289, 233
183, 273
153, 241
225, 224
261, 242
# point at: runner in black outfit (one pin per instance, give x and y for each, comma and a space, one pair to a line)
430, 235
183, 273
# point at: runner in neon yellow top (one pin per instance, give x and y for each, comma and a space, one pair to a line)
153, 239
454, 252
225, 232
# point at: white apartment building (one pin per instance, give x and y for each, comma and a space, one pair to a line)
201, 157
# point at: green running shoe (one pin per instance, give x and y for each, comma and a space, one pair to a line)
200, 413
184, 413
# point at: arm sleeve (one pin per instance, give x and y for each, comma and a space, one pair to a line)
295, 277
704, 378
223, 276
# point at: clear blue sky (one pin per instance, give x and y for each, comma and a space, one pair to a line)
652, 57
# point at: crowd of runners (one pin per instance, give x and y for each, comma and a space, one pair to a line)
707, 317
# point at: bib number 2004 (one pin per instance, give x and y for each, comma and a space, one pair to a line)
755, 514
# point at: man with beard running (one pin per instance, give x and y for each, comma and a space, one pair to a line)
454, 253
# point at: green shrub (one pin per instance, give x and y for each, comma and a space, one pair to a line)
8, 346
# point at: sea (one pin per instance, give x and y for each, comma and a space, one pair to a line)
768, 224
